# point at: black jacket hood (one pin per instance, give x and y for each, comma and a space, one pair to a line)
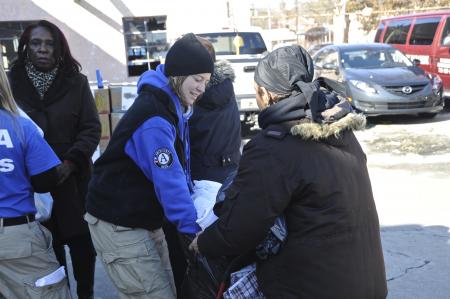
222, 71
223, 92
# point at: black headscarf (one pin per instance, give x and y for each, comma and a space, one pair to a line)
288, 72
280, 70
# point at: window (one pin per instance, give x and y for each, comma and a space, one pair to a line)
379, 31
331, 58
424, 30
374, 58
145, 42
227, 43
445, 38
320, 59
10, 33
397, 31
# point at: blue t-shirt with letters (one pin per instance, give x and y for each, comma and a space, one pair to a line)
23, 153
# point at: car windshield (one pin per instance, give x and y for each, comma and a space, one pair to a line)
374, 58
236, 43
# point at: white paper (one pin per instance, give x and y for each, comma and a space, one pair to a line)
51, 278
204, 198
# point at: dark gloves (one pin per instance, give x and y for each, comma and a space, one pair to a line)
336, 112
65, 169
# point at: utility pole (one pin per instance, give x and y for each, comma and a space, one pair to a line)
340, 23
346, 21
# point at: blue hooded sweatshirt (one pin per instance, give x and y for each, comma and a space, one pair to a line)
151, 147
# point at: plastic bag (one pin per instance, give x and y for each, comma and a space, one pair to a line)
203, 275
44, 205
204, 198
244, 284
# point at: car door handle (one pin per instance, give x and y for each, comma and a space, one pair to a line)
249, 68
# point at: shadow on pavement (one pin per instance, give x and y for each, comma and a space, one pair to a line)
407, 119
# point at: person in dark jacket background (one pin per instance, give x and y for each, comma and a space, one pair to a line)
47, 84
215, 127
144, 176
306, 164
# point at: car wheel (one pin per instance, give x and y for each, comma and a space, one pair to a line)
427, 115
447, 103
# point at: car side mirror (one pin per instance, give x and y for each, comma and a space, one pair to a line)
416, 62
331, 67
446, 41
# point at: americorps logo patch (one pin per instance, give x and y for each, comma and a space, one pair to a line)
163, 158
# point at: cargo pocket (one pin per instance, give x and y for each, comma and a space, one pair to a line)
136, 269
57, 290
127, 236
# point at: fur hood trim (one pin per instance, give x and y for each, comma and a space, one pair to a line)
222, 71
315, 131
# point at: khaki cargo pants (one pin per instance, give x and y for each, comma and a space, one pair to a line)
136, 260
26, 254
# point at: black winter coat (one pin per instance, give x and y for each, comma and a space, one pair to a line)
321, 184
215, 128
71, 126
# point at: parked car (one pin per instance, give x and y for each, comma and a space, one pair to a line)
380, 80
243, 49
314, 48
423, 36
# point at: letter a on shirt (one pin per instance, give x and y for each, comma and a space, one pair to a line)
5, 139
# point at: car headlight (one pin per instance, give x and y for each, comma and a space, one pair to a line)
366, 87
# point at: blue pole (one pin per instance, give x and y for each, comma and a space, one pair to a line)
99, 78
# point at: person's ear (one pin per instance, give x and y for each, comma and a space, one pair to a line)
269, 98
266, 96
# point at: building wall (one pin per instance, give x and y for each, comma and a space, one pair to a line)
93, 28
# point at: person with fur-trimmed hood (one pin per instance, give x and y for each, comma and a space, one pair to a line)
306, 164
216, 113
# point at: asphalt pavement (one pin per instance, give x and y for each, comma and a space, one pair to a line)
409, 165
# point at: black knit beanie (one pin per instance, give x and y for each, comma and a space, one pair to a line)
188, 56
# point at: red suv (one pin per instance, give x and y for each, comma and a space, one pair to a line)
424, 38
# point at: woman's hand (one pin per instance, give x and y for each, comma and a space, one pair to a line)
194, 246
65, 170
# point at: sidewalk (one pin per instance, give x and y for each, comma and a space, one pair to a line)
417, 261
409, 166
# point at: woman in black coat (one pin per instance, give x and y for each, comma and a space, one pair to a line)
215, 128
47, 84
307, 165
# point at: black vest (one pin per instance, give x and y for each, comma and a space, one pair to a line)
119, 192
